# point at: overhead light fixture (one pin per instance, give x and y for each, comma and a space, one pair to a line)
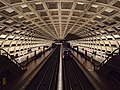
17, 37
37, 3
98, 37
17, 31
109, 10
92, 21
9, 21
81, 3
110, 29
98, 16
11, 37
98, 32
116, 36
18, 25
10, 10
22, 37
9, 29
20, 16
109, 36
103, 37
102, 32
3, 36
24, 6
95, 6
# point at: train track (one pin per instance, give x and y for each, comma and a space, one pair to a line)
73, 77
47, 77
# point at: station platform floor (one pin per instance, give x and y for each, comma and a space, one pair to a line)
21, 81
16, 82
100, 80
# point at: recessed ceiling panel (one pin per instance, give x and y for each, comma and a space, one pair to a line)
55, 19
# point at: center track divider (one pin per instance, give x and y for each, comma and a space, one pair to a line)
60, 82
22, 85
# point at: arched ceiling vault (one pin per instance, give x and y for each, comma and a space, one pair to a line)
55, 19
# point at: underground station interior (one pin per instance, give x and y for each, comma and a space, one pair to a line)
59, 45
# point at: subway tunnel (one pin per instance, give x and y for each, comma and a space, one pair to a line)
51, 44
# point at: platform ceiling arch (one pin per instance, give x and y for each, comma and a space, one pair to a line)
90, 24
55, 19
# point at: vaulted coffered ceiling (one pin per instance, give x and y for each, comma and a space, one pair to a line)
55, 19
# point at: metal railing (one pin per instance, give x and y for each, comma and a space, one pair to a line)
97, 67
5, 53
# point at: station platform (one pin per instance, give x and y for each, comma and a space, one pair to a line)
38, 66
88, 66
15, 82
